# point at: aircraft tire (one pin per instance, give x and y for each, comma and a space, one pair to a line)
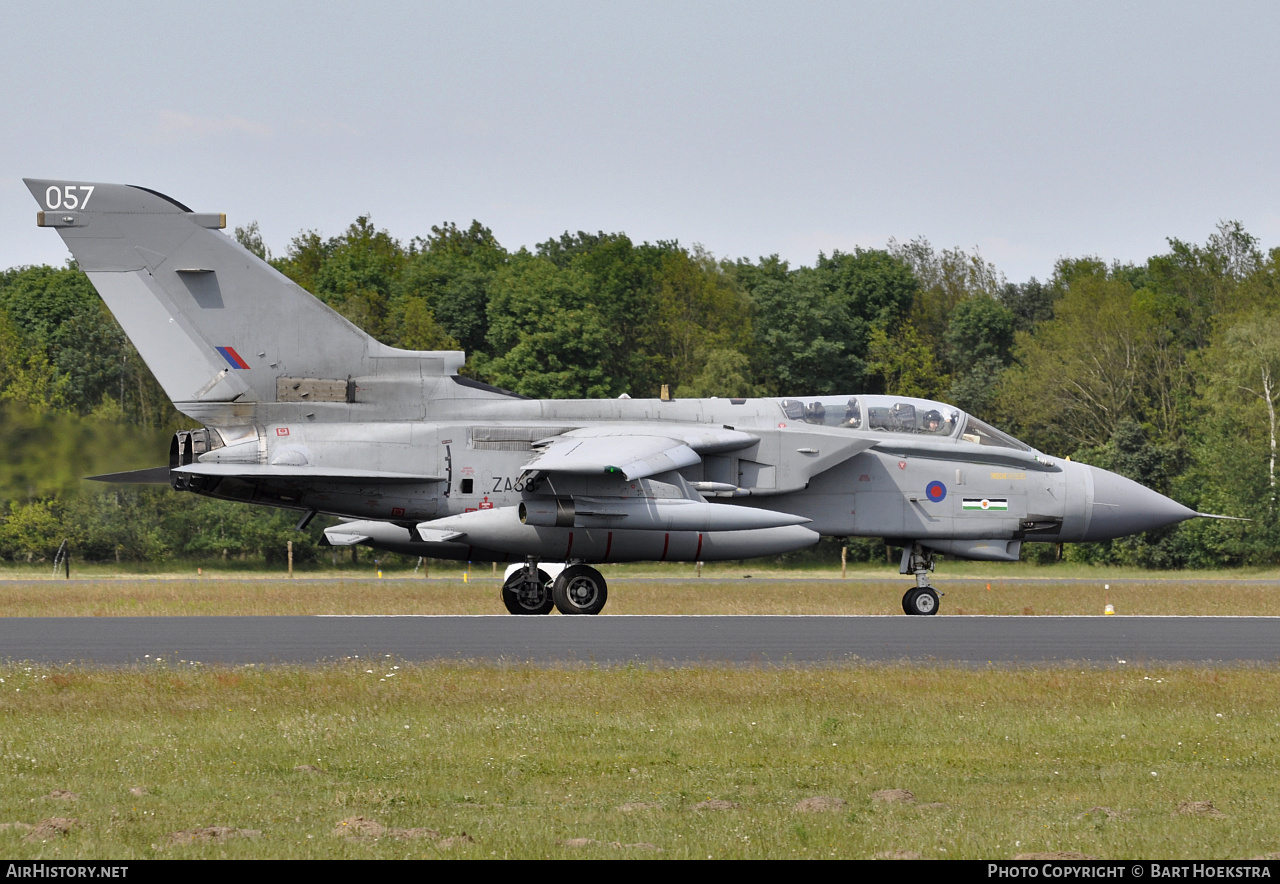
580, 590
921, 601
539, 601
908, 598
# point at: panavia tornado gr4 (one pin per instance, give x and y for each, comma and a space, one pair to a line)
302, 409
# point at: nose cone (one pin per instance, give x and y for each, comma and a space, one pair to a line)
1122, 507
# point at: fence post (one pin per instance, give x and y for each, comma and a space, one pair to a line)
62, 557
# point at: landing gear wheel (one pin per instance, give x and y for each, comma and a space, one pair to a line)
528, 598
923, 600
908, 599
579, 590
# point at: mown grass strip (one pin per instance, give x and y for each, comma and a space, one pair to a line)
771, 594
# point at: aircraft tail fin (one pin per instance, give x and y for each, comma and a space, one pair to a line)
215, 323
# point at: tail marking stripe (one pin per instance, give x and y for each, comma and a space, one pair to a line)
232, 357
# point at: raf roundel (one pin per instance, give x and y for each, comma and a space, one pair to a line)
936, 491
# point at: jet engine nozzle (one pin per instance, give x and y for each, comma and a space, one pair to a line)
547, 512
1121, 507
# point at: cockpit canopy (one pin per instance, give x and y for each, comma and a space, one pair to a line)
896, 414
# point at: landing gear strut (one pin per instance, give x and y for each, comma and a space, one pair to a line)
528, 591
922, 599
580, 589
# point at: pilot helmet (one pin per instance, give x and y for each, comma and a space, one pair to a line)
932, 420
853, 414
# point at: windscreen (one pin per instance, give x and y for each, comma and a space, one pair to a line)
985, 434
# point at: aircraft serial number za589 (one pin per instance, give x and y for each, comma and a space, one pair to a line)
372, 435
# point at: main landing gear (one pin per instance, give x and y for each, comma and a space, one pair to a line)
579, 589
528, 591
922, 599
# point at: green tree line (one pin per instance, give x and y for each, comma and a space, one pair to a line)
1164, 371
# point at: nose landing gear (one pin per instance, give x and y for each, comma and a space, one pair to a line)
922, 599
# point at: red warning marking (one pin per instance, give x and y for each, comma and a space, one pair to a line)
608, 546
397, 511
282, 431
486, 504
666, 542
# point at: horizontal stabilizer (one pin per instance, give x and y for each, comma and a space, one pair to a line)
150, 476
314, 474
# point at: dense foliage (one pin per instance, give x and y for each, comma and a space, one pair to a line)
1165, 371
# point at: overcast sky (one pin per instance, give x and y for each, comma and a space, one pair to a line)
1030, 130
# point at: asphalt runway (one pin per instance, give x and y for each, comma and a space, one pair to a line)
647, 640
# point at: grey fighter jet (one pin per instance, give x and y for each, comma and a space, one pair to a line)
302, 409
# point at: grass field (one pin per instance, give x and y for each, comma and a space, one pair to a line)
397, 760
404, 760
673, 590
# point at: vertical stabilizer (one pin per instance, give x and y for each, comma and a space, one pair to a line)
214, 322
